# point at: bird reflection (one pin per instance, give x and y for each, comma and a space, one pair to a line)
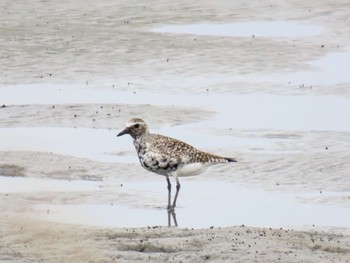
172, 215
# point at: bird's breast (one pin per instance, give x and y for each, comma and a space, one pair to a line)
158, 163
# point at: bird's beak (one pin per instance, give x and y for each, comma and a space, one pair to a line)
125, 131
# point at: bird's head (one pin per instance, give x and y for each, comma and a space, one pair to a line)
136, 128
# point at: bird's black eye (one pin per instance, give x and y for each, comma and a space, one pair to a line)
137, 125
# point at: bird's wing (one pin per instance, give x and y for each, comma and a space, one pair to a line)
172, 148
182, 151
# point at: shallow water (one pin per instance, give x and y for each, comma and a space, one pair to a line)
201, 204
65, 141
23, 184
78, 142
244, 29
328, 70
253, 111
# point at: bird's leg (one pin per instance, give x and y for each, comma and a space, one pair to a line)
169, 191
178, 186
169, 218
174, 218
171, 214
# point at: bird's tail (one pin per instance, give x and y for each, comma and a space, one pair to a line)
210, 158
229, 160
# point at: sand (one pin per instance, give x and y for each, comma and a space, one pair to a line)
31, 241
73, 72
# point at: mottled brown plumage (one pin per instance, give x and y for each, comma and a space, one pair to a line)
175, 148
168, 156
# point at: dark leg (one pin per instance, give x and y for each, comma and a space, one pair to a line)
174, 218
169, 218
169, 192
171, 214
178, 186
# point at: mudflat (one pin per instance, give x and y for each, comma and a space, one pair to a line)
274, 95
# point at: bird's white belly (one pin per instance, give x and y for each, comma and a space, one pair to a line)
191, 169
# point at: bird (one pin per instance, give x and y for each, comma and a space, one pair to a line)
168, 156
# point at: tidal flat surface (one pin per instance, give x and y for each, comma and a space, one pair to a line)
266, 83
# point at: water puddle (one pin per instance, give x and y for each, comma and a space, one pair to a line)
64, 141
202, 204
332, 70
23, 184
73, 142
245, 29
329, 70
251, 111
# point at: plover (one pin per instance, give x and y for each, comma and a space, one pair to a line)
167, 156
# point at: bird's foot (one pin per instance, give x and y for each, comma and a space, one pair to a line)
171, 207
